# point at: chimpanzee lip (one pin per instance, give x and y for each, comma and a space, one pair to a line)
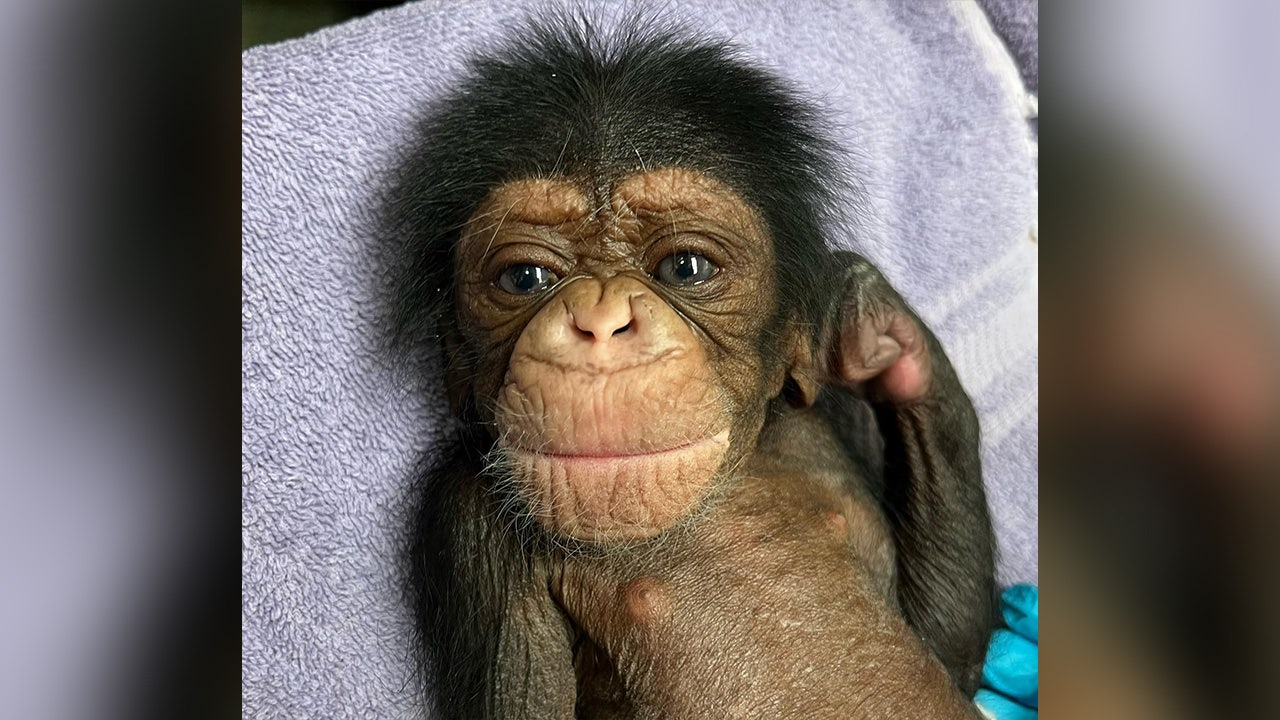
656, 454
718, 438
613, 498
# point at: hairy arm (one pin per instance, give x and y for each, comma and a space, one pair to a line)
495, 644
933, 491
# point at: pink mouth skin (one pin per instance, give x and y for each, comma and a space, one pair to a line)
656, 454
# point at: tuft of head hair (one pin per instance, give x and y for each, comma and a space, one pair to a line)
561, 98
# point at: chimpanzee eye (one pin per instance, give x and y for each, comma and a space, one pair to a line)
524, 279
685, 268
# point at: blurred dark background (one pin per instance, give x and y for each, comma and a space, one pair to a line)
1160, 374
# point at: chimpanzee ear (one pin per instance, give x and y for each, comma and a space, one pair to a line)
806, 370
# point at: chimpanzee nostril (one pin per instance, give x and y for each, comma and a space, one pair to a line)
600, 318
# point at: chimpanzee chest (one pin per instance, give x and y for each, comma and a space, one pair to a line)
782, 571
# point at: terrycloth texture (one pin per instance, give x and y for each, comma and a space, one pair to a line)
332, 431
1018, 24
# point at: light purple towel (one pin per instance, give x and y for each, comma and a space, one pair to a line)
332, 430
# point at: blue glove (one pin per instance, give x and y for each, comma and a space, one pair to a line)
1011, 676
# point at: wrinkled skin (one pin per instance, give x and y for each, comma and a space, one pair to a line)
677, 526
620, 398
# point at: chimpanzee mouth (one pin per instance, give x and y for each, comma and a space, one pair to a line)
616, 497
605, 456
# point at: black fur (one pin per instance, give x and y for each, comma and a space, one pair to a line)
564, 100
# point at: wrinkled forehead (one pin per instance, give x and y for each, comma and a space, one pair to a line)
557, 201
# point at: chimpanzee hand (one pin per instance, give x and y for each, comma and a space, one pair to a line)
881, 338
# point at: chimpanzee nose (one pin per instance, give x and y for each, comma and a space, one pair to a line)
606, 319
599, 312
603, 325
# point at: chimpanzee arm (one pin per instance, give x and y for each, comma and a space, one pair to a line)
496, 644
933, 491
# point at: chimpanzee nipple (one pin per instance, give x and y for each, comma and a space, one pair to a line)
646, 600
